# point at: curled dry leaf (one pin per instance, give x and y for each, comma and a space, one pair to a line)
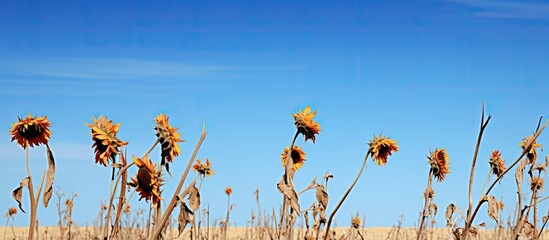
322, 196
450, 210
519, 174
18, 192
48, 189
194, 198
493, 208
18, 195
291, 195
185, 217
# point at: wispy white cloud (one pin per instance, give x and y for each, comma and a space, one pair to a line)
107, 69
507, 9
61, 151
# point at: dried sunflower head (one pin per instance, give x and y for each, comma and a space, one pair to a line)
228, 191
106, 143
297, 155
168, 137
204, 169
11, 212
381, 148
148, 180
439, 164
497, 165
356, 222
536, 183
532, 154
305, 124
31, 131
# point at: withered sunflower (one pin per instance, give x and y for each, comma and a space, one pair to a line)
204, 169
147, 180
381, 148
106, 144
355, 222
31, 131
297, 155
439, 163
168, 138
532, 154
536, 183
497, 165
228, 191
305, 124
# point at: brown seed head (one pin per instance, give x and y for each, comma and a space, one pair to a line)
297, 155
148, 180
536, 183
497, 165
31, 131
168, 137
439, 163
381, 148
106, 145
305, 123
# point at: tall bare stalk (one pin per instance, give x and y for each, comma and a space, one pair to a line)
345, 196
173, 201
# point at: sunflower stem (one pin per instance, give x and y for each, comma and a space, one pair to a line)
173, 201
287, 181
345, 196
152, 147
426, 205
483, 124
107, 218
32, 224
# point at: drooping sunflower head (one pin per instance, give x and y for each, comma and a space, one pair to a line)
532, 153
381, 148
168, 137
440, 164
305, 123
497, 165
204, 169
106, 144
297, 155
147, 180
228, 191
355, 222
536, 183
31, 131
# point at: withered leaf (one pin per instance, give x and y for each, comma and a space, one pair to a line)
18, 195
290, 194
322, 195
493, 208
519, 174
450, 210
194, 198
184, 218
50, 175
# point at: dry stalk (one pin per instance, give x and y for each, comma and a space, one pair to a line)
527, 147
428, 197
344, 197
173, 201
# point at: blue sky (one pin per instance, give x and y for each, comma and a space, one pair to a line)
418, 72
